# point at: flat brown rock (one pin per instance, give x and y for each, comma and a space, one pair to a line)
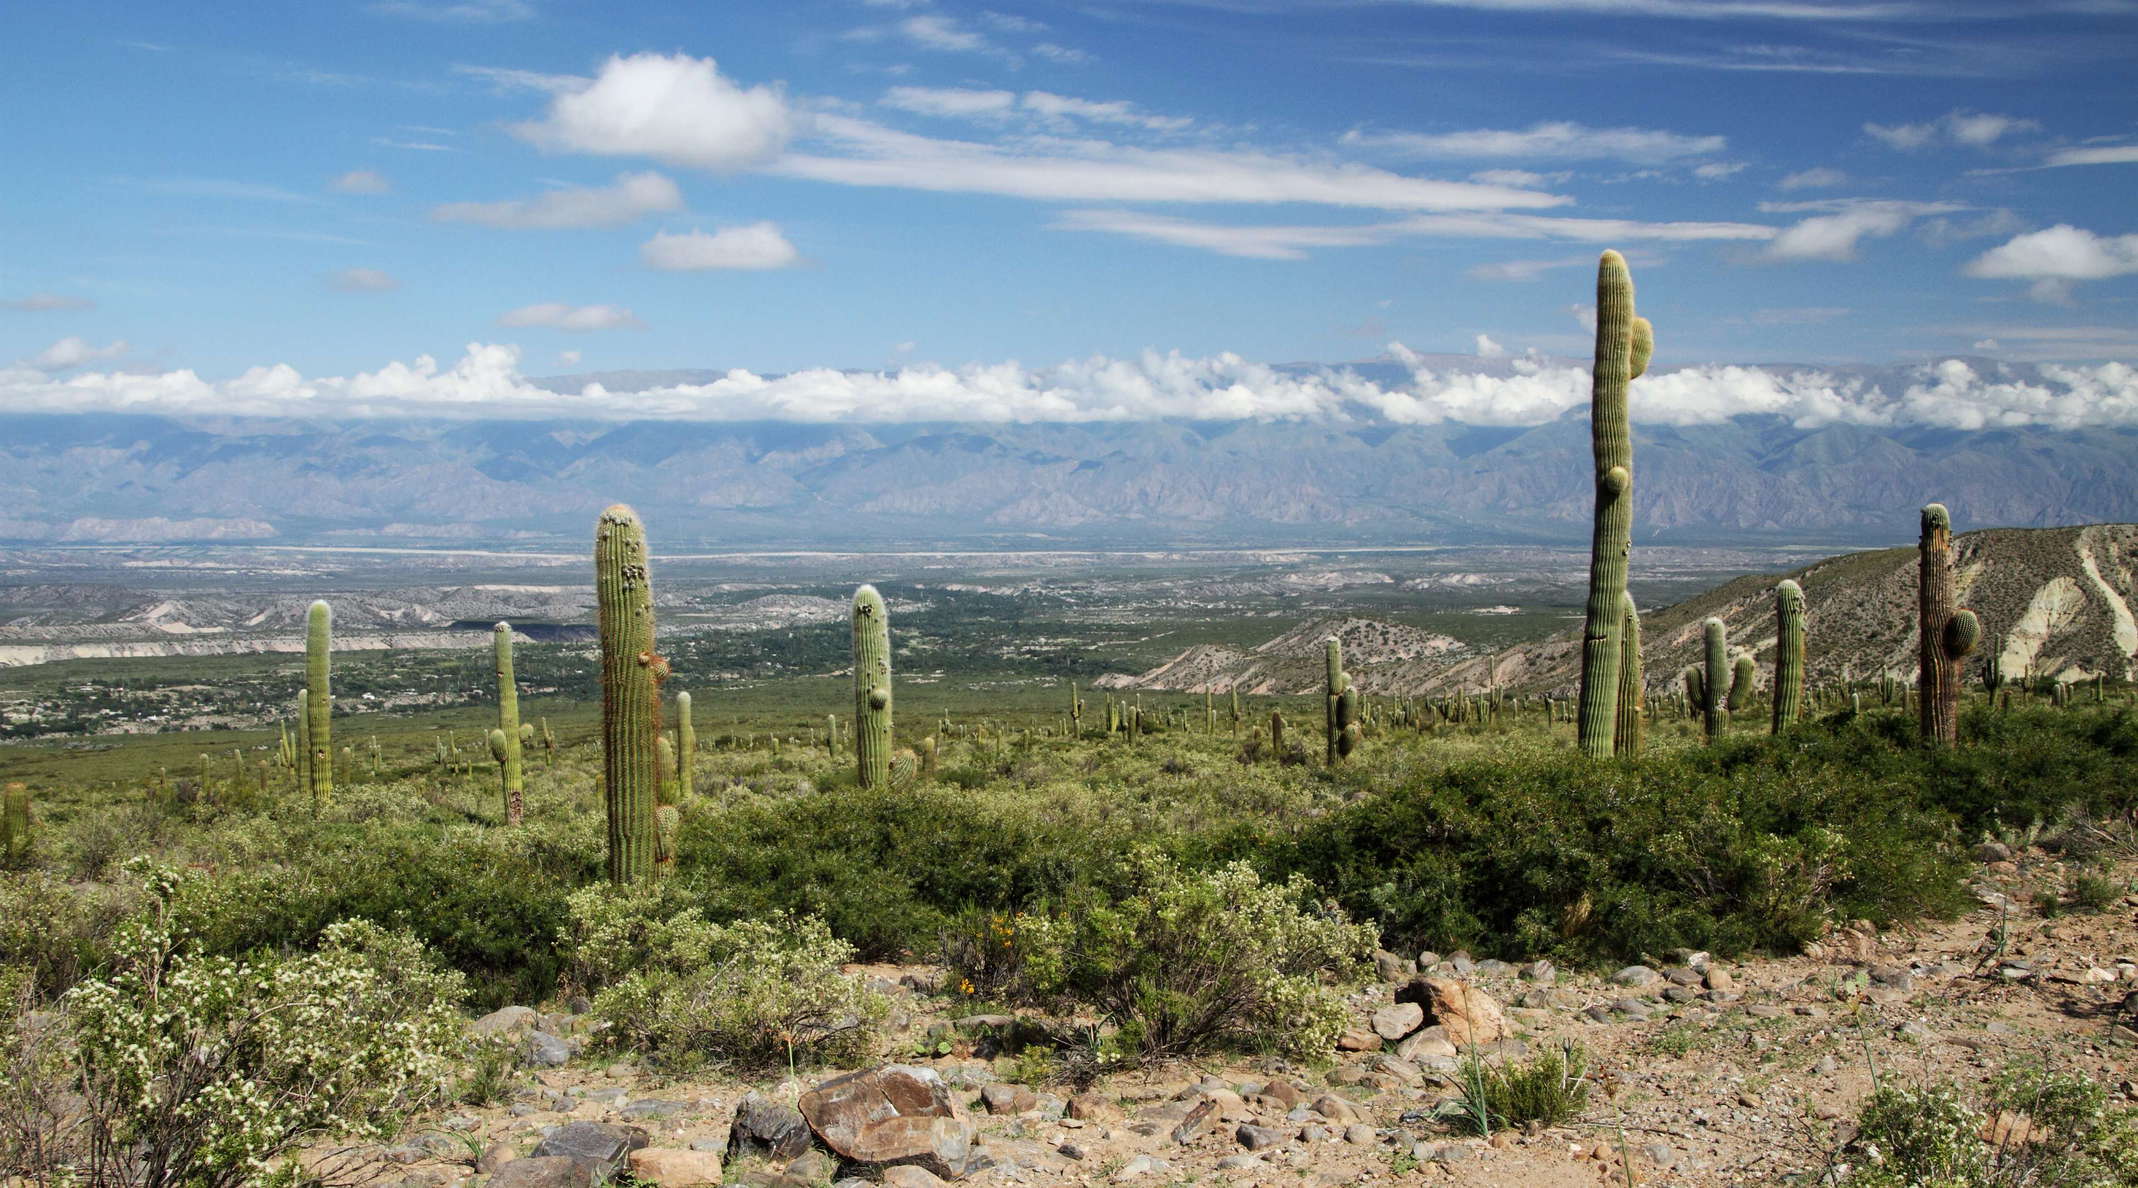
894, 1115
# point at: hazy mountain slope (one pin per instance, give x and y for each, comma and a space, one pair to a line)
2053, 602
112, 477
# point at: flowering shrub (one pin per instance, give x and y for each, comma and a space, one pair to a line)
1183, 962
2037, 1127
203, 1070
754, 992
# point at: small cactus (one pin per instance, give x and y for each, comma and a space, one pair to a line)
872, 688
686, 751
1788, 654
1948, 635
1715, 682
507, 734
319, 702
1744, 677
15, 822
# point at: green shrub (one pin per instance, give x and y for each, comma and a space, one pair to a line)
756, 993
1549, 1089
210, 1071
1183, 962
2054, 1128
53, 932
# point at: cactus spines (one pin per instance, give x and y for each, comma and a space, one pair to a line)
1788, 654
631, 673
1623, 344
15, 822
1631, 700
1947, 634
319, 701
508, 724
872, 688
686, 750
1715, 681
1744, 673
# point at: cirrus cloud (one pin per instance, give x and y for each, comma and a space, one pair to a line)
629, 197
756, 247
558, 316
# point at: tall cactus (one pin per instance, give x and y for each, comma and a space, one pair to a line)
319, 701
1631, 700
686, 750
872, 688
1948, 634
1788, 654
303, 742
1335, 684
1076, 713
1715, 680
631, 674
1623, 345
508, 724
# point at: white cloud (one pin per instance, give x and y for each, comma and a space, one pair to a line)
1064, 109
629, 197
1717, 170
568, 358
558, 316
1710, 10
1522, 179
1488, 349
2056, 257
507, 79
1065, 55
72, 351
1971, 128
1835, 236
1525, 270
1288, 242
362, 280
755, 246
42, 302
676, 108
1817, 178
360, 181
462, 12
1557, 140
956, 102
487, 383
1090, 171
2110, 154
1259, 243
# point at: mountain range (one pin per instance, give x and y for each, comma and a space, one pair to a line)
1358, 480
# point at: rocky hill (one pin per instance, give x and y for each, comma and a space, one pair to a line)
2054, 602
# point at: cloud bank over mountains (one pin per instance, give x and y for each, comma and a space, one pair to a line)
488, 383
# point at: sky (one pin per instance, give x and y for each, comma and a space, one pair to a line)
907, 209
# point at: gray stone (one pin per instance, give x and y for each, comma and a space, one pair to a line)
604, 1143
1392, 968
547, 1171
1238, 1163
1541, 972
1255, 1138
1395, 1022
504, 1021
1682, 975
653, 1109
766, 1128
910, 1177
547, 1051
815, 1166
1635, 976
1141, 1166
1494, 968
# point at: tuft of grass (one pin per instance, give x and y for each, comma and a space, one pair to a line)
1550, 1088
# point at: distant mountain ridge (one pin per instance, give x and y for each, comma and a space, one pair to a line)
2054, 602
115, 477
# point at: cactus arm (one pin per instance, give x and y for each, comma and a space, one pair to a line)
1626, 730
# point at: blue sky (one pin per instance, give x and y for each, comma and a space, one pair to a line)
201, 193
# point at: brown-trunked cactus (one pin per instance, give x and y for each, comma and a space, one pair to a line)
508, 724
1948, 634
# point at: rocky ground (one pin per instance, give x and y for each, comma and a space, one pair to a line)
1701, 1073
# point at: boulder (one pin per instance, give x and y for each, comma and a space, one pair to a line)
604, 1144
1395, 1022
505, 1021
894, 1115
1468, 1013
764, 1127
674, 1167
548, 1171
